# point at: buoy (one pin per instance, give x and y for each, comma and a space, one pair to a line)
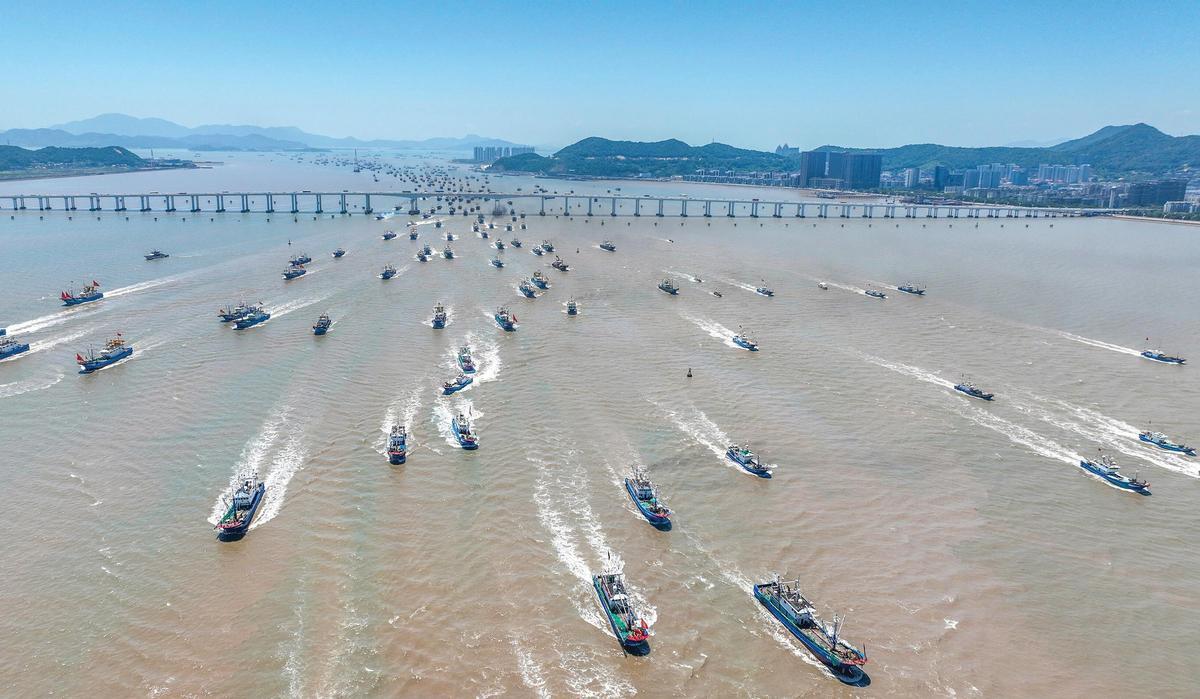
689, 372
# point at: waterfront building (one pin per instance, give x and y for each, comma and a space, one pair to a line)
912, 178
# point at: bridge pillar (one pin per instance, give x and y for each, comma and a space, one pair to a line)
800, 210
145, 202
660, 208
120, 203
366, 204
846, 210
822, 211
170, 199
731, 209
195, 204
613, 201
931, 212
413, 210
245, 203
778, 211
753, 209
868, 211
319, 210
220, 203
590, 200
637, 207
708, 209
566, 206
14, 203
270, 202
295, 203
41, 206
542, 212
683, 208
342, 203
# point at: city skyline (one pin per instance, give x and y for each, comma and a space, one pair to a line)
809, 76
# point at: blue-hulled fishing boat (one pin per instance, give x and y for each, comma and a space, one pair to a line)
645, 496
748, 460
89, 293
630, 629
114, 351
784, 601
240, 515
397, 449
463, 433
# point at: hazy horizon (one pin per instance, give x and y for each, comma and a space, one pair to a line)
874, 75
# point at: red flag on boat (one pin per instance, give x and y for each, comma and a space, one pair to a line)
514, 317
95, 283
65, 296
78, 358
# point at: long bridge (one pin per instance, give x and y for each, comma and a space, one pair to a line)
468, 203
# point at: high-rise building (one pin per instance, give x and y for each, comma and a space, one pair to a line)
941, 177
835, 164
1085, 173
861, 170
812, 165
787, 151
912, 178
971, 178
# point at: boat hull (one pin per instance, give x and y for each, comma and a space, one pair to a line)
1113, 481
462, 442
14, 350
108, 360
632, 647
397, 459
659, 521
245, 323
320, 331
673, 292
759, 471
239, 531
79, 300
506, 326
847, 673
745, 345
1163, 359
449, 390
969, 394
1177, 448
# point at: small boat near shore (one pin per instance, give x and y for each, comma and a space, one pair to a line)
240, 515
323, 324
448, 253
515, 242
764, 290
796, 613
300, 260
114, 351
497, 262
537, 250
397, 449
1105, 467
630, 629
499, 244
645, 496
823, 286
232, 313
413, 234
560, 265
155, 254
572, 307
547, 246
748, 460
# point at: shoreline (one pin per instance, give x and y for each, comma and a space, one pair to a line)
19, 177
1151, 219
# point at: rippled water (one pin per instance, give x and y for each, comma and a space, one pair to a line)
971, 553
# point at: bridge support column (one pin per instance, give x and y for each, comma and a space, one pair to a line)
800, 210
683, 208
412, 207
120, 203
270, 202
590, 200
366, 204
660, 208
731, 209
195, 204
342, 203
868, 211
542, 212
566, 206
637, 207
753, 209
295, 204
319, 210
613, 201
170, 199
778, 211
822, 211
220, 203
708, 209
245, 203
144, 202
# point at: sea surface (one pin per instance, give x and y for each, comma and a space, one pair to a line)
970, 553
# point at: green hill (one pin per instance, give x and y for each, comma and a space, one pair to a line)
14, 158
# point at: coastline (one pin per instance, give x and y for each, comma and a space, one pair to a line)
83, 172
1150, 219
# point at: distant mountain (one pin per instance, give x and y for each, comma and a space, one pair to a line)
37, 138
238, 136
1131, 150
13, 158
600, 157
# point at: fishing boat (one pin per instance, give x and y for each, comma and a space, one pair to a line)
764, 291
537, 250
87, 294
11, 348
745, 341
114, 351
1158, 356
421, 256
449, 237
717, 294
427, 251
497, 262
323, 324
1106, 467
1161, 441
629, 628
255, 317
527, 289
972, 390
292, 272
465, 362
560, 265
547, 246
448, 253
3, 332
232, 313
784, 601
540, 280
609, 246
875, 293
499, 244
668, 287
748, 460
645, 496
240, 515
506, 319
913, 289
389, 235
155, 254
461, 427
822, 286
459, 383
301, 259
339, 253
572, 308
388, 272
413, 234
397, 449
515, 242
439, 317
482, 234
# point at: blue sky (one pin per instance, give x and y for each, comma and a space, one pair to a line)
753, 75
